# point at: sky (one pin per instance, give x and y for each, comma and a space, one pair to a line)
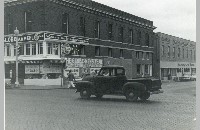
173, 17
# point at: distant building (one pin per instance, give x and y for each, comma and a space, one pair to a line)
92, 35
177, 57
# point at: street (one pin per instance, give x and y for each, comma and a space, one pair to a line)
63, 109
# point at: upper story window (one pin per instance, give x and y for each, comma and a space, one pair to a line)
55, 49
138, 68
8, 49
77, 50
137, 54
97, 51
191, 54
162, 50
49, 48
131, 36
173, 52
187, 52
168, 51
179, 51
40, 48
28, 21
65, 23
147, 39
110, 31
21, 49
183, 53
139, 36
147, 55
33, 49
121, 53
143, 55
121, 33
82, 26
8, 23
27, 49
97, 29
110, 52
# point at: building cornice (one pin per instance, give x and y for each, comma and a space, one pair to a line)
88, 9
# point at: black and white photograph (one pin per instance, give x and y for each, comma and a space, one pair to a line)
99, 64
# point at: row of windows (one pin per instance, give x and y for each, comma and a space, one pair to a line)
173, 54
82, 28
144, 69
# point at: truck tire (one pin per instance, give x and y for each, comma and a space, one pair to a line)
144, 96
131, 95
85, 93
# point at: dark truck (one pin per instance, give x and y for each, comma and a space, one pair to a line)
111, 80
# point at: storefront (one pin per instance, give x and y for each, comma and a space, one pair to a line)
173, 70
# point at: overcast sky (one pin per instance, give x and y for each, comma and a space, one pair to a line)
173, 17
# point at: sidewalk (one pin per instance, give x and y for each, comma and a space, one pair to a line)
33, 87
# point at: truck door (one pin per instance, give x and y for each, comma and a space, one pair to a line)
120, 79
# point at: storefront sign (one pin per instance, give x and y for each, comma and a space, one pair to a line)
50, 68
186, 65
84, 62
75, 71
32, 69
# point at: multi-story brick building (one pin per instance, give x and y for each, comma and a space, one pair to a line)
95, 34
177, 57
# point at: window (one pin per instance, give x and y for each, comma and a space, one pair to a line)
65, 23
147, 55
137, 54
173, 52
110, 52
34, 49
27, 49
40, 48
97, 51
183, 53
97, 29
9, 23
28, 21
139, 36
138, 68
55, 49
121, 53
146, 69
121, 31
191, 54
120, 72
179, 51
110, 32
147, 39
186, 69
82, 26
187, 52
49, 50
194, 55
77, 49
168, 51
143, 55
21, 50
163, 50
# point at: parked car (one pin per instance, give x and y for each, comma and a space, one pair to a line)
111, 80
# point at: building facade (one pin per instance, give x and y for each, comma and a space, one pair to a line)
78, 35
177, 57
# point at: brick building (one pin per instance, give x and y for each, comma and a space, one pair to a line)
95, 34
177, 57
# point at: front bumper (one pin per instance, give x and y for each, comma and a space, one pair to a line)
157, 92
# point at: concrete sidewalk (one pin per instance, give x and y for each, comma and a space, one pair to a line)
34, 87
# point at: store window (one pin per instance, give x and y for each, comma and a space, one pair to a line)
110, 31
178, 70
121, 53
49, 50
147, 39
82, 26
97, 29
65, 23
33, 49
186, 69
97, 51
40, 48
138, 68
137, 54
131, 36
121, 32
27, 49
110, 52
28, 21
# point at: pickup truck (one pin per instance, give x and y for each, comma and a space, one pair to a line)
111, 80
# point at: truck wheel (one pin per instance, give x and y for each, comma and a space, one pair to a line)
99, 95
85, 93
144, 96
131, 95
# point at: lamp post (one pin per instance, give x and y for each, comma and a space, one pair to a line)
16, 32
